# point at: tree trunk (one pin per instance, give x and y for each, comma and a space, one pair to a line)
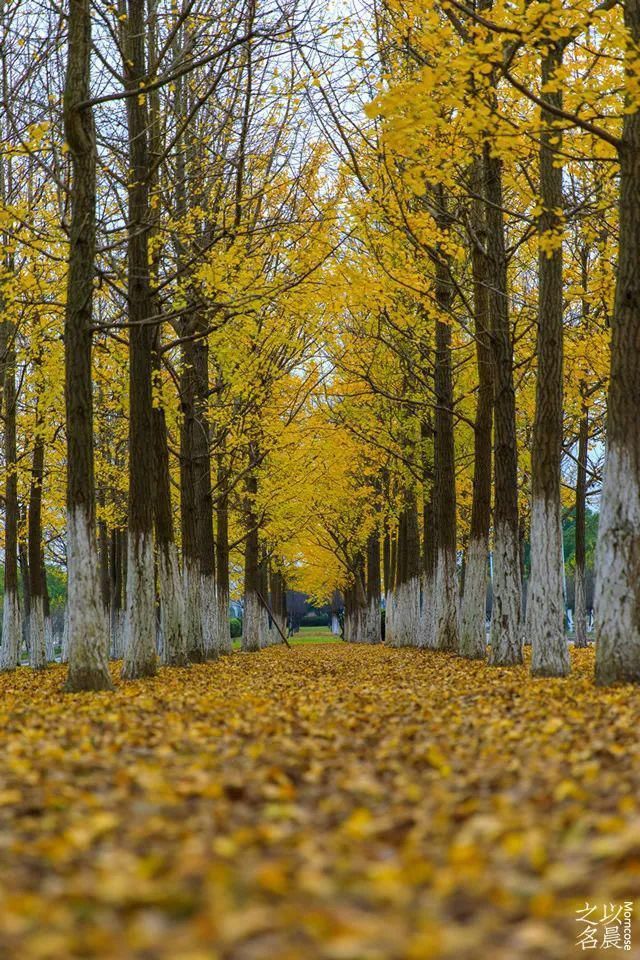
372, 625
49, 639
403, 607
23, 560
446, 597
355, 614
267, 631
390, 556
172, 633
251, 619
11, 625
348, 624
506, 641
522, 558
188, 506
386, 562
545, 603
473, 634
87, 639
429, 537
335, 612
279, 601
580, 603
37, 646
222, 560
103, 549
140, 626
204, 499
116, 599
617, 599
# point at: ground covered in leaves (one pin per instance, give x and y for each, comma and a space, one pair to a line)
322, 802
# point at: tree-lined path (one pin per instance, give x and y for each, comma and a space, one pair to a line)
343, 303
340, 301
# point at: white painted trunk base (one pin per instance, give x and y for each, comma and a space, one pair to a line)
87, 639
350, 628
64, 653
427, 626
356, 626
49, 640
473, 617
580, 612
446, 603
363, 625
389, 616
37, 645
405, 618
251, 624
117, 619
266, 633
173, 643
371, 625
11, 632
193, 611
223, 639
617, 593
140, 659
545, 602
209, 603
506, 640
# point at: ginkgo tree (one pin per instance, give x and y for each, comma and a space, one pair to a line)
330, 298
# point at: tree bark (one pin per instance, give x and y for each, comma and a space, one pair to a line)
335, 613
172, 633
446, 636
617, 598
103, 549
140, 627
49, 638
188, 507
580, 604
204, 499
386, 562
267, 630
118, 539
545, 603
403, 608
473, 635
506, 641
87, 637
222, 559
251, 620
429, 539
11, 621
372, 625
355, 613
279, 599
37, 646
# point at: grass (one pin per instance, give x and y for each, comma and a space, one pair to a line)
306, 635
314, 635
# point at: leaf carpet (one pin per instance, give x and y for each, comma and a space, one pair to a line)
326, 802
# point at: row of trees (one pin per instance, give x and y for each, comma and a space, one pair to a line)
492, 208
164, 213
336, 300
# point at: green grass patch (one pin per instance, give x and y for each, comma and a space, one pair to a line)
305, 635
314, 635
